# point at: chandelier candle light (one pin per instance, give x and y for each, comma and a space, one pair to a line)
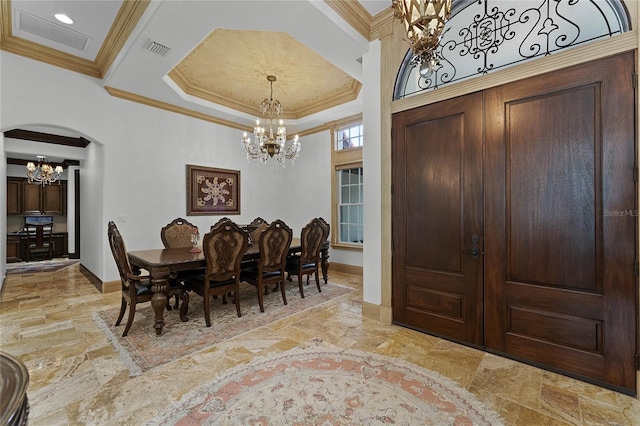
424, 22
43, 173
267, 145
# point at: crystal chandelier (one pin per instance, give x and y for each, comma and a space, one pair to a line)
424, 22
43, 173
267, 145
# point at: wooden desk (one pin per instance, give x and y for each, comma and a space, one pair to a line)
164, 263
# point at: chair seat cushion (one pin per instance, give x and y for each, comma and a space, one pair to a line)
294, 261
252, 274
198, 281
143, 287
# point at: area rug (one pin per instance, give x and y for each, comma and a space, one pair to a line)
41, 266
326, 386
142, 350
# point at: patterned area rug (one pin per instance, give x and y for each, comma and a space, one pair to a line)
322, 386
42, 266
142, 350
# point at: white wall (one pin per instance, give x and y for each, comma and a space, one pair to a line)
135, 165
371, 150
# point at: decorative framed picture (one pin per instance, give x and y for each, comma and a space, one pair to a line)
212, 191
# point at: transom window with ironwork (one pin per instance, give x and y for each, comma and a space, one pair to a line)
485, 35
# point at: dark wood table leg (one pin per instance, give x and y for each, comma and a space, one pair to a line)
324, 259
160, 288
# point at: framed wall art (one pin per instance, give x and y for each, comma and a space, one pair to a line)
212, 191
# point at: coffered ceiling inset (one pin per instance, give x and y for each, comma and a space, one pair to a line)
230, 67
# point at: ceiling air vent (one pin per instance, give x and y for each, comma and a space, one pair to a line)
45, 29
157, 48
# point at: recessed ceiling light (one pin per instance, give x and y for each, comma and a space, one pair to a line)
63, 18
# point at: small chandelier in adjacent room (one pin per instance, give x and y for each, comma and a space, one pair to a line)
266, 145
424, 22
43, 173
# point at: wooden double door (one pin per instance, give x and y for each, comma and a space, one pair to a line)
514, 221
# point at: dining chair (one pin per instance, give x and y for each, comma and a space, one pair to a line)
258, 221
223, 248
327, 228
221, 220
136, 288
273, 244
307, 262
179, 234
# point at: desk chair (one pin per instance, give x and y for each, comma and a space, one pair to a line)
39, 241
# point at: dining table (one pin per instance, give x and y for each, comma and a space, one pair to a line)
163, 264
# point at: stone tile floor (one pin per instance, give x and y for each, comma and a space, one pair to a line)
78, 378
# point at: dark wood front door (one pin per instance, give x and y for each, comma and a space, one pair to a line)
437, 217
561, 221
557, 222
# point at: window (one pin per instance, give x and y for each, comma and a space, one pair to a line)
349, 137
346, 183
350, 206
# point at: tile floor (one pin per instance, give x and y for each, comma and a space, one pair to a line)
77, 377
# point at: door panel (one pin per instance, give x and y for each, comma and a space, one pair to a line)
437, 209
552, 205
559, 268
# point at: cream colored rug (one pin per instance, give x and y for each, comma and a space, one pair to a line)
325, 386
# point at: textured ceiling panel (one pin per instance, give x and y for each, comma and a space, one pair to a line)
306, 82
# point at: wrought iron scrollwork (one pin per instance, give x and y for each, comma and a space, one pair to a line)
485, 35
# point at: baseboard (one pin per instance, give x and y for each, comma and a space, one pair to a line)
343, 267
384, 314
97, 282
111, 286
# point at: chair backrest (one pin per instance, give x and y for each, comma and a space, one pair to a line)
327, 228
223, 249
119, 251
311, 239
222, 220
258, 221
40, 235
274, 243
178, 233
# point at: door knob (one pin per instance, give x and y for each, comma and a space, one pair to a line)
474, 252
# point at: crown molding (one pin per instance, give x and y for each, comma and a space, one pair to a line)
354, 13
128, 16
321, 105
173, 108
126, 20
382, 24
194, 114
